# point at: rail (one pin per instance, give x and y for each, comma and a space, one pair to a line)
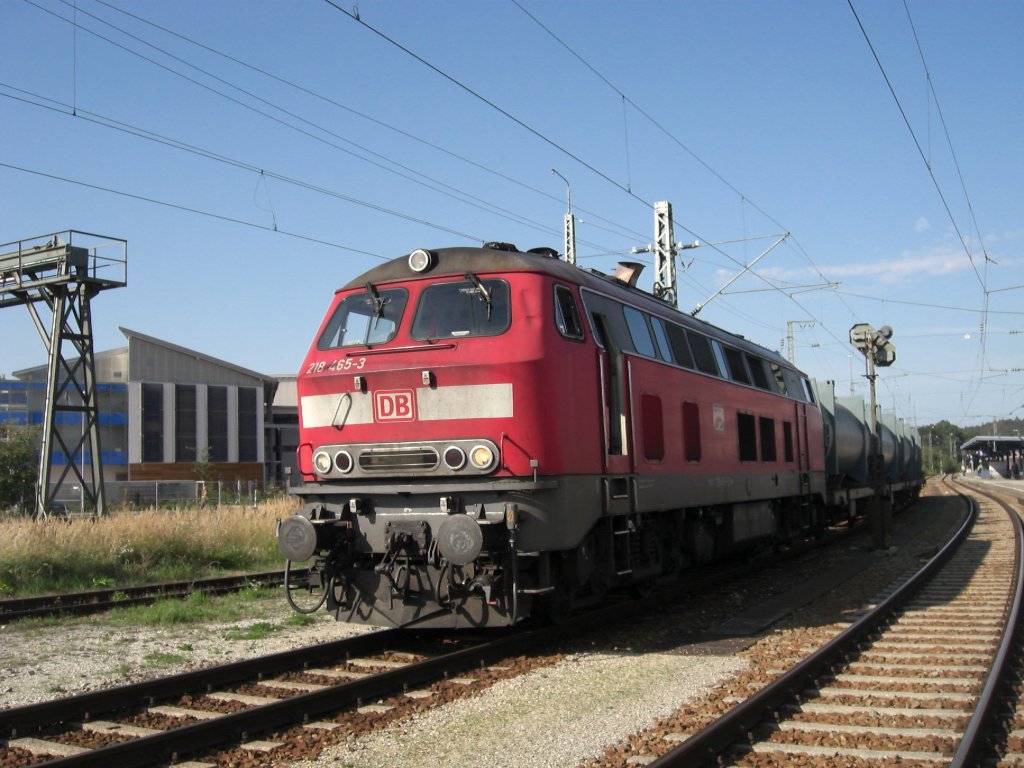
96, 600
737, 723
979, 727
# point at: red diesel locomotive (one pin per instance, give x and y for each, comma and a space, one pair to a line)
487, 434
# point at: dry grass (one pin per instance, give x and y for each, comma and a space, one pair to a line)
126, 548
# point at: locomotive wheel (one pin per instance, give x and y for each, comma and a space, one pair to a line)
641, 588
555, 606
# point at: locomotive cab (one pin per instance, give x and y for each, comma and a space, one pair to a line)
426, 442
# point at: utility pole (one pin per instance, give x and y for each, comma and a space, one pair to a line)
666, 287
877, 350
789, 336
570, 222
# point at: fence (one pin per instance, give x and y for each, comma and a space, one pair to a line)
137, 494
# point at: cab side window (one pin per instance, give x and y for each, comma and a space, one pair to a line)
567, 314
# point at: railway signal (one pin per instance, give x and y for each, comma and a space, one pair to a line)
878, 351
874, 343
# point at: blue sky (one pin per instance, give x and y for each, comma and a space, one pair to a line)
338, 149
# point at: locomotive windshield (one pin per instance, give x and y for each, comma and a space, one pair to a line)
365, 319
473, 307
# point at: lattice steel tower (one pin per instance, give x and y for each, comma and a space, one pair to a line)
64, 271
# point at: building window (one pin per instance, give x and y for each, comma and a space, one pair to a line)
112, 401
247, 445
184, 422
217, 424
152, 422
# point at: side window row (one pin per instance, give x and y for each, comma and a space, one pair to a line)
659, 339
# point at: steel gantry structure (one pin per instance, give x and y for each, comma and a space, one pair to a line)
64, 271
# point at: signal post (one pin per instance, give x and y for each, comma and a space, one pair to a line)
877, 351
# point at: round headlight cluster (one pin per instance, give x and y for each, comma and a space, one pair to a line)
343, 461
481, 457
335, 460
322, 462
454, 457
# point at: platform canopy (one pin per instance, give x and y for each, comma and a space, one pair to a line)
996, 445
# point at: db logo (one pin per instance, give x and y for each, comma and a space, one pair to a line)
397, 405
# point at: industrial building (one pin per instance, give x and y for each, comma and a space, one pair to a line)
165, 412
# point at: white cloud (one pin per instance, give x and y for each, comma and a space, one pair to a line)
908, 265
922, 225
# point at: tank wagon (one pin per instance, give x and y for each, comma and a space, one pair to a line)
488, 435
848, 450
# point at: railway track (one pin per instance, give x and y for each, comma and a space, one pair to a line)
162, 721
94, 601
917, 680
271, 703
347, 684
265, 709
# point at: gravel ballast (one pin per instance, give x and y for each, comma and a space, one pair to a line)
603, 694
555, 716
52, 660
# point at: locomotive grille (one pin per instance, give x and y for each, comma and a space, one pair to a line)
392, 459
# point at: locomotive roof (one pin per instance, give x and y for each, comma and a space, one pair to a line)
458, 261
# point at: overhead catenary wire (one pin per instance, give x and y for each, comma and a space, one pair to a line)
982, 352
447, 190
917, 143
261, 112
536, 224
592, 216
626, 99
779, 286
190, 209
110, 123
956, 164
949, 140
477, 95
551, 142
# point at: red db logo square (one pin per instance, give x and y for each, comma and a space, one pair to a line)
398, 405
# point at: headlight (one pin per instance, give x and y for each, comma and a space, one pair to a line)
482, 457
421, 260
454, 457
322, 462
343, 461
